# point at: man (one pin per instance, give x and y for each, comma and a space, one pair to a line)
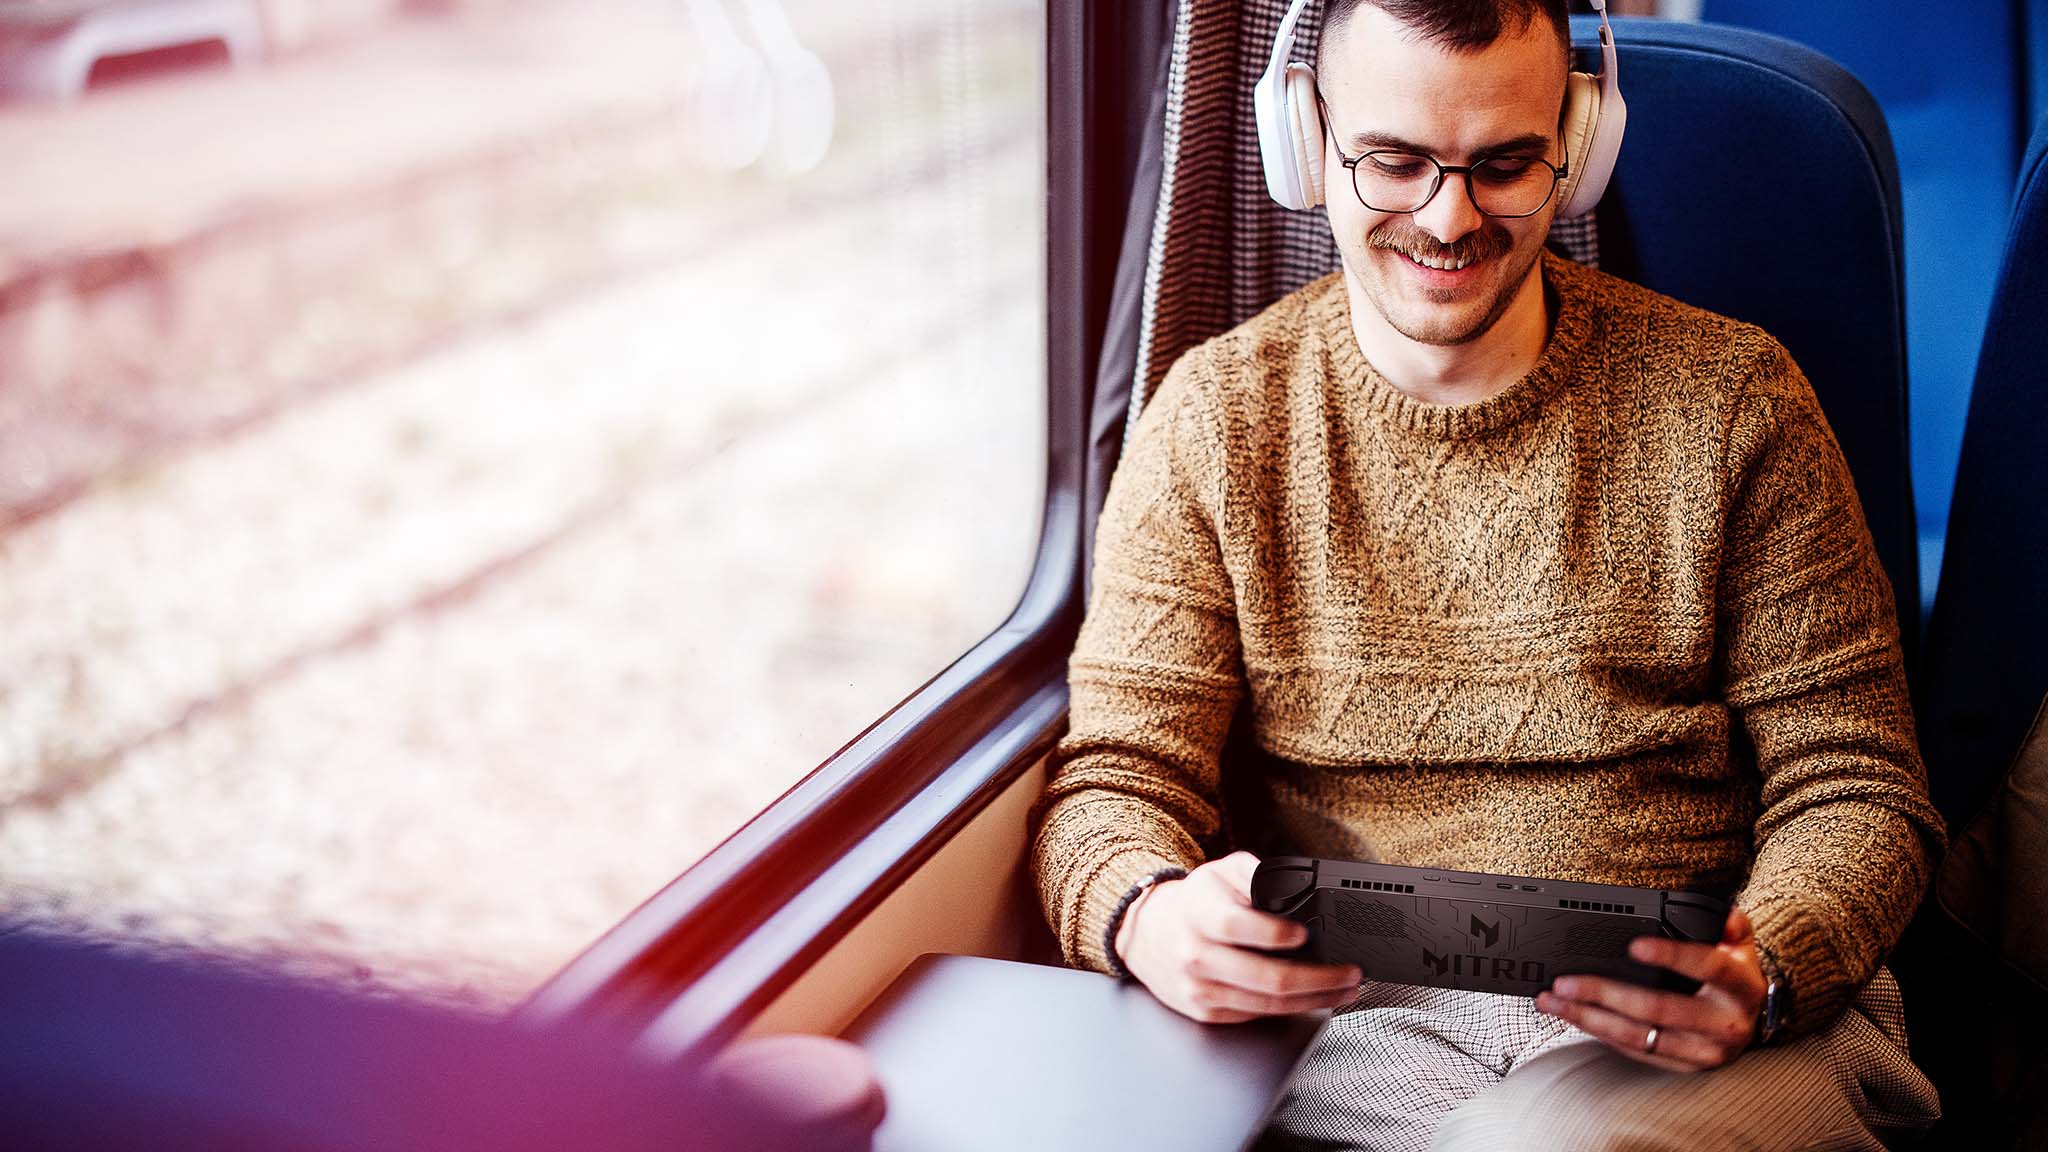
1519, 568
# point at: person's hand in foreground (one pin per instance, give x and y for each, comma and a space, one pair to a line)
1691, 1033
1194, 942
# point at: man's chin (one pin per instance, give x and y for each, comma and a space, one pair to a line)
1444, 323
1440, 314
1441, 331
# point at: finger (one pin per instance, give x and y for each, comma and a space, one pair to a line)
1729, 970
1237, 869
1222, 922
1647, 1005
1706, 963
1270, 976
1213, 996
1677, 1049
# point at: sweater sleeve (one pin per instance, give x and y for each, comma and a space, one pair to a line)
1845, 834
1155, 677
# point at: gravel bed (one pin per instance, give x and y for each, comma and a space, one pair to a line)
424, 683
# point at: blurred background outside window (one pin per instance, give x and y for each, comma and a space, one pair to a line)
460, 460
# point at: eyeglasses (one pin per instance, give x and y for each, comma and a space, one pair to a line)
1400, 182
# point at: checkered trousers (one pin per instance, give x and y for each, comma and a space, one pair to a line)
1405, 1068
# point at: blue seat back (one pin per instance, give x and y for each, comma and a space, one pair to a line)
1958, 121
1757, 181
1987, 651
1975, 1017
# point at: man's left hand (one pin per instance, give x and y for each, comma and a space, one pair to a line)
1692, 1033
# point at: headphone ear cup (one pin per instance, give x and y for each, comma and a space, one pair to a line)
1305, 116
1277, 151
1580, 124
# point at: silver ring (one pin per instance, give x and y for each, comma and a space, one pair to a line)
1650, 1041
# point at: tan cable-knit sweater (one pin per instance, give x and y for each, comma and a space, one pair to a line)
1621, 622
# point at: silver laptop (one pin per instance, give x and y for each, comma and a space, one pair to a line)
980, 1055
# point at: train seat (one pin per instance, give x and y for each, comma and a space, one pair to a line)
1958, 123
1987, 653
1976, 960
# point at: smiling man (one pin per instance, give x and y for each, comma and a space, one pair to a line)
1519, 568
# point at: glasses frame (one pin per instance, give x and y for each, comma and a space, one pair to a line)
1557, 174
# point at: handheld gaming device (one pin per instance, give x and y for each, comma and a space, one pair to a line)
1476, 931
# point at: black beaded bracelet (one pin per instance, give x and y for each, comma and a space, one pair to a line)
1116, 916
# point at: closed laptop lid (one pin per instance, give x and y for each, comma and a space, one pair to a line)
980, 1055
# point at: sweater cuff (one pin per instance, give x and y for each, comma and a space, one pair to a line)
1809, 960
1103, 899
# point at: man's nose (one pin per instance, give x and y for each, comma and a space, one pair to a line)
1450, 214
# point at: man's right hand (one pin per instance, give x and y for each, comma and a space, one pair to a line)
1190, 941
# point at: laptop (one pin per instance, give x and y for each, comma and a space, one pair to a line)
981, 1055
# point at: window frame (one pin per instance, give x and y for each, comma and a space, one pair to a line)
722, 940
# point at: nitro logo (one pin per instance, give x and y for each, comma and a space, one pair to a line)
1486, 967
1482, 931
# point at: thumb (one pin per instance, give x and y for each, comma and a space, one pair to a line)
1237, 868
1739, 928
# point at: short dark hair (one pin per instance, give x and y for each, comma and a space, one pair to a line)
1460, 25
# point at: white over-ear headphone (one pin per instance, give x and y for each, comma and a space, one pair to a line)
1291, 125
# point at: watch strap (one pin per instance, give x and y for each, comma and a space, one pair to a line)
1777, 1007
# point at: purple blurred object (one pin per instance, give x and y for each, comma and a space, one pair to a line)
104, 1050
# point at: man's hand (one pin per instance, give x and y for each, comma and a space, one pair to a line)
1704, 1030
1190, 941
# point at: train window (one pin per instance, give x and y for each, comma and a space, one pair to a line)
460, 461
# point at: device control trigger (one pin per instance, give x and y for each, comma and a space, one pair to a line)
1311, 948
1695, 920
1277, 887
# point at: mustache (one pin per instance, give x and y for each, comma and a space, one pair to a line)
1488, 241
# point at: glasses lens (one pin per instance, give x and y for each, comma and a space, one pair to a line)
1395, 181
1404, 182
1512, 185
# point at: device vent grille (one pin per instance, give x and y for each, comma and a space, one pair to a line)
1596, 906
1368, 918
1377, 886
1598, 938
